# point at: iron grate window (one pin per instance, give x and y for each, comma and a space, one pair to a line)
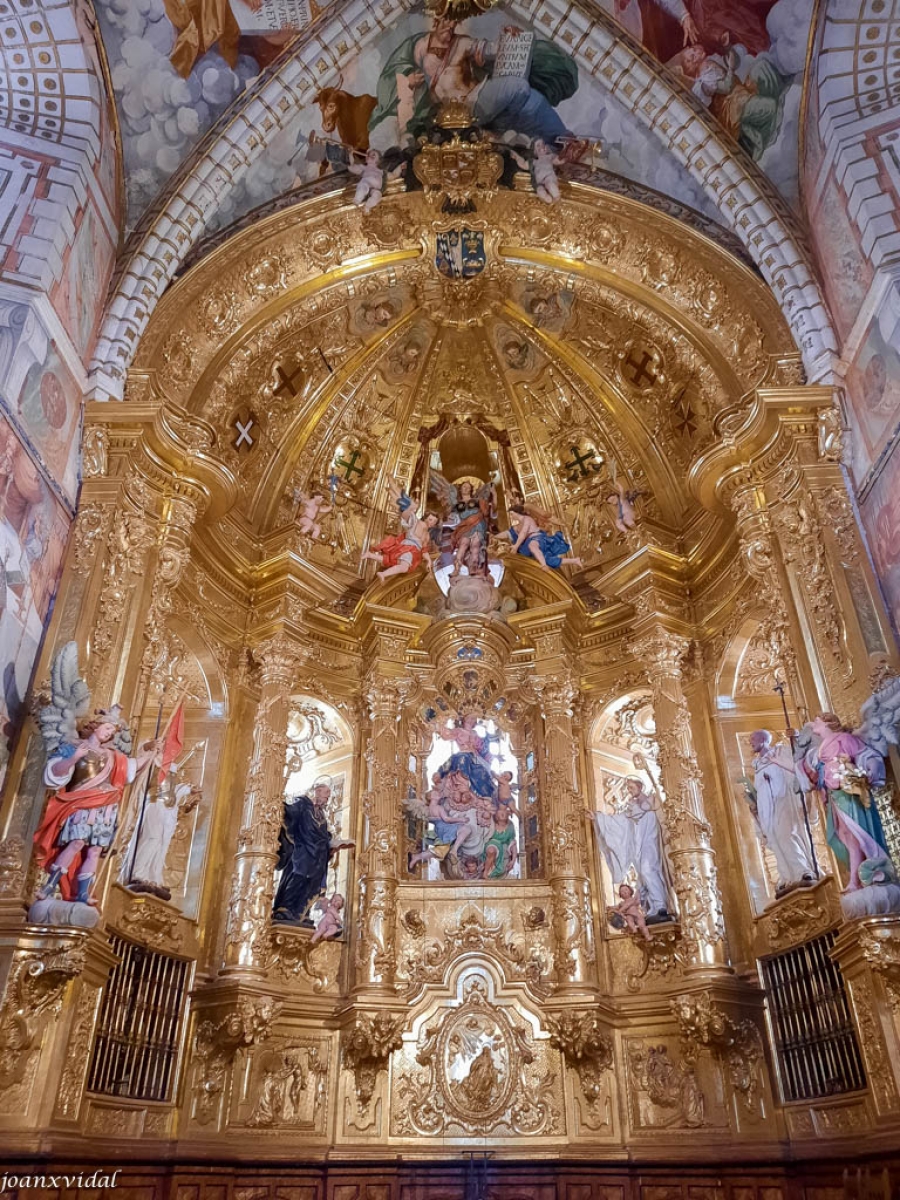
815, 1041
136, 1044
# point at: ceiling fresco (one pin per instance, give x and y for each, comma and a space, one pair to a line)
176, 69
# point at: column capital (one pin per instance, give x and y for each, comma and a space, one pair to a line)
660, 651
279, 656
556, 693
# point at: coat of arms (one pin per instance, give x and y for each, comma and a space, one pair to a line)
459, 253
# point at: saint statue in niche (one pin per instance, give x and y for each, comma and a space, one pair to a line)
633, 839
305, 847
777, 808
469, 810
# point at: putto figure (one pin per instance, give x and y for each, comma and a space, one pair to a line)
402, 553
89, 769
542, 167
309, 511
777, 808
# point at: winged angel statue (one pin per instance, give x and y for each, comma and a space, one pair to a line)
847, 766
469, 510
89, 765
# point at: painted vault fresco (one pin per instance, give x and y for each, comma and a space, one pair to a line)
177, 68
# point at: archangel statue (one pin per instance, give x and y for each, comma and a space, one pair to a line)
89, 766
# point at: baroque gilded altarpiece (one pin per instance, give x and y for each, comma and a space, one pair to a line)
322, 340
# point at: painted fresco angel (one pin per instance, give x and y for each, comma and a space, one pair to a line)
469, 509
89, 766
846, 766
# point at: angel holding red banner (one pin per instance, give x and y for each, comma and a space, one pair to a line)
89, 767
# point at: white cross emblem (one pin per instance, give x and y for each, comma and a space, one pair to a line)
243, 431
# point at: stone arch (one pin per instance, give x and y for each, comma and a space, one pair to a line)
732, 182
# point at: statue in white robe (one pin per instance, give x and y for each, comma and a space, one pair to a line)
778, 810
634, 839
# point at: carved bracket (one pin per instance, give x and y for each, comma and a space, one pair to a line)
34, 993
291, 957
366, 1046
587, 1047
738, 1043
664, 953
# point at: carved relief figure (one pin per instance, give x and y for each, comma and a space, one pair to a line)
633, 838
776, 805
305, 847
89, 775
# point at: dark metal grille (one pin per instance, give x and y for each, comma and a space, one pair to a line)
815, 1042
136, 1044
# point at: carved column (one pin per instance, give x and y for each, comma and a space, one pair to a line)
688, 830
377, 883
250, 906
573, 926
868, 953
764, 564
179, 513
388, 688
832, 582
563, 802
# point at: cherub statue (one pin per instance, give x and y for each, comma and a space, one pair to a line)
527, 537
542, 165
308, 512
402, 553
629, 909
470, 509
621, 499
89, 768
370, 189
505, 789
331, 923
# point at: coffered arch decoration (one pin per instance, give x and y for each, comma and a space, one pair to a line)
735, 187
